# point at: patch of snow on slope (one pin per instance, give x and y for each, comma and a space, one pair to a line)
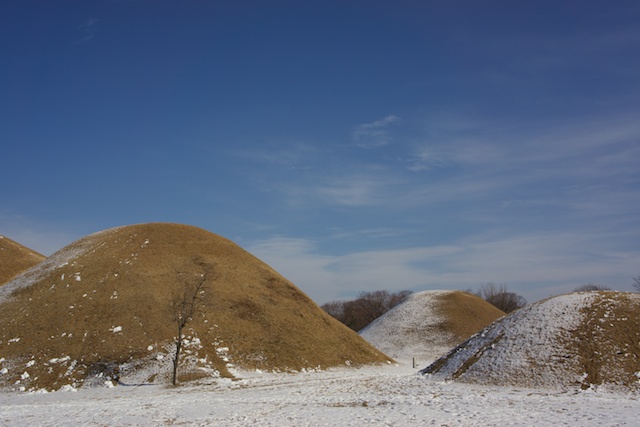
411, 329
525, 347
59, 259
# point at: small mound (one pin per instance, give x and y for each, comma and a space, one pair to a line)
109, 305
428, 324
15, 258
582, 339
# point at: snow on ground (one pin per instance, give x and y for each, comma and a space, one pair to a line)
384, 395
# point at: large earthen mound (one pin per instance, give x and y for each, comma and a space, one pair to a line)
110, 302
576, 340
15, 258
428, 324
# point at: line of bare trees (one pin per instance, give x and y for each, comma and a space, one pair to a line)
597, 287
590, 287
366, 308
500, 297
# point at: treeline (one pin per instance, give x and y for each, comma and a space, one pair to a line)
500, 297
366, 308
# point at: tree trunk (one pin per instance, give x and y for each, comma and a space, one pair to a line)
176, 357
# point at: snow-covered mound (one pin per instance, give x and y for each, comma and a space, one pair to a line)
110, 304
428, 324
15, 258
580, 339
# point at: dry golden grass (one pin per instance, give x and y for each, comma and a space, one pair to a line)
15, 258
607, 343
129, 277
465, 314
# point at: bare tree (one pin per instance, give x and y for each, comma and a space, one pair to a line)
636, 283
498, 296
334, 308
185, 305
358, 313
590, 287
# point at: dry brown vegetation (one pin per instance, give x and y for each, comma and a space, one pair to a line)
464, 314
607, 343
106, 301
15, 258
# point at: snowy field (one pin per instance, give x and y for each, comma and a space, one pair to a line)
388, 395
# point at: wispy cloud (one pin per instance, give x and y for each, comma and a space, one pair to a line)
375, 134
427, 158
488, 172
585, 148
574, 139
534, 265
573, 185
88, 30
356, 190
369, 233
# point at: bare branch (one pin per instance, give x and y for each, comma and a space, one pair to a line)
189, 302
358, 313
499, 297
590, 287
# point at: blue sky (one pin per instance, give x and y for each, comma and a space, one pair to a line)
352, 145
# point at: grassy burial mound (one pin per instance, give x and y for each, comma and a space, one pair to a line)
15, 258
428, 324
112, 304
576, 340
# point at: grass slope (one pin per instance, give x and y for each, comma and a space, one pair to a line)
576, 340
15, 258
109, 300
428, 324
